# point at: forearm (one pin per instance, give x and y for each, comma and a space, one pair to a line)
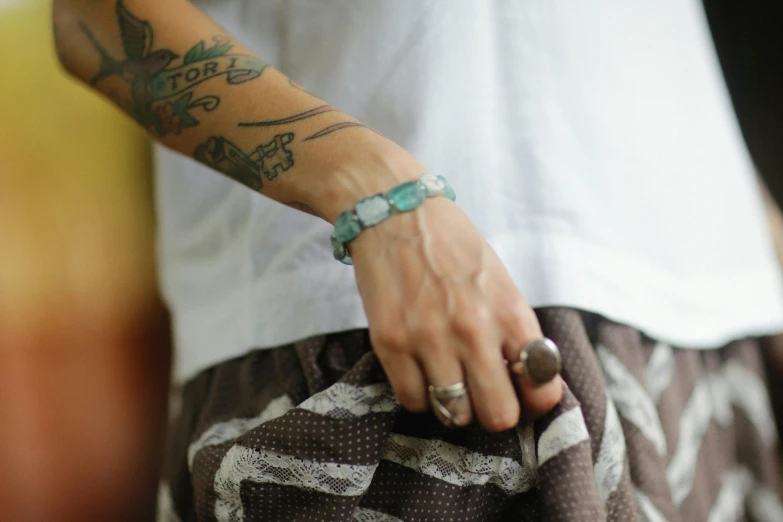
196, 89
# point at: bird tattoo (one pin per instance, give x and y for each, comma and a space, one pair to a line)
141, 63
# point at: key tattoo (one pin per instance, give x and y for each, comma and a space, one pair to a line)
270, 159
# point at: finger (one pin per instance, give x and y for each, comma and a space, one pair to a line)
536, 399
531, 412
495, 401
408, 382
442, 369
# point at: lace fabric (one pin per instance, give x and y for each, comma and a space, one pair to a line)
229, 430
457, 465
265, 466
345, 401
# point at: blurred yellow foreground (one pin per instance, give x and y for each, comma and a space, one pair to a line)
83, 349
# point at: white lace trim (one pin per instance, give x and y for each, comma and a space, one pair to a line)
694, 419
738, 492
764, 505
265, 466
730, 503
567, 430
225, 431
659, 371
711, 399
748, 392
457, 465
340, 401
646, 508
631, 399
721, 399
346, 401
611, 455
361, 514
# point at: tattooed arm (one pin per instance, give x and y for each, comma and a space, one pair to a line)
197, 90
440, 304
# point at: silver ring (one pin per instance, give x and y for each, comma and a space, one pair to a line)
445, 397
540, 360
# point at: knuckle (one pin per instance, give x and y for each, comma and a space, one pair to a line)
411, 400
502, 420
481, 354
518, 314
389, 338
428, 335
514, 308
471, 322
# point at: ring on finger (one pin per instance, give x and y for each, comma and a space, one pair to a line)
540, 360
444, 399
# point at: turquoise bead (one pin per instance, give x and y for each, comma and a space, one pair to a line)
338, 249
407, 196
432, 185
346, 227
373, 210
447, 190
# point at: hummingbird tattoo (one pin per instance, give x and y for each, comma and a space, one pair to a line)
140, 64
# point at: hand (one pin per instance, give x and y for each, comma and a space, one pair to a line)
442, 309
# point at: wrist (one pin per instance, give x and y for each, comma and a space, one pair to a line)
370, 165
377, 209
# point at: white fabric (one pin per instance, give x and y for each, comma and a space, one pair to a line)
592, 143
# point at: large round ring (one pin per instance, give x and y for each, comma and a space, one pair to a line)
539, 360
444, 399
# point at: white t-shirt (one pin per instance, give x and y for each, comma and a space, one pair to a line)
592, 143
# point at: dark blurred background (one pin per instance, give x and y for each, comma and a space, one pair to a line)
84, 343
749, 39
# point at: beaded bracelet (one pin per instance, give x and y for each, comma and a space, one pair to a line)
378, 208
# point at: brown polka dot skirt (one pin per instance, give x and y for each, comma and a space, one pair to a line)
312, 432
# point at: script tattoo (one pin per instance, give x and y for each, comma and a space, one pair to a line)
336, 127
161, 92
291, 119
270, 159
